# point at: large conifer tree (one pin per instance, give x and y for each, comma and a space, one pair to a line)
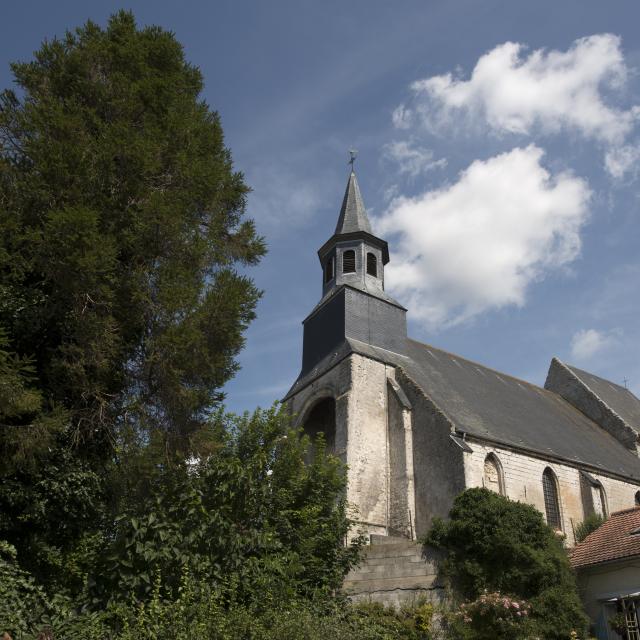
122, 308
121, 226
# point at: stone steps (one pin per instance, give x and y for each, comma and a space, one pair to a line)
389, 571
390, 584
374, 561
393, 550
393, 571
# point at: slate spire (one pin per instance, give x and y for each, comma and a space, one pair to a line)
353, 216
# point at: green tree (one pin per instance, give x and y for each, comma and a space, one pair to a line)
121, 225
496, 545
122, 304
250, 515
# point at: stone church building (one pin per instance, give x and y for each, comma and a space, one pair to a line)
417, 425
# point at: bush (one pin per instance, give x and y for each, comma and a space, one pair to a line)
493, 616
251, 511
200, 612
496, 545
588, 525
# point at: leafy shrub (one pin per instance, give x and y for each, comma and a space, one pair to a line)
22, 602
588, 525
496, 545
199, 612
252, 510
493, 616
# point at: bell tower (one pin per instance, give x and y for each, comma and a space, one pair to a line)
354, 303
353, 341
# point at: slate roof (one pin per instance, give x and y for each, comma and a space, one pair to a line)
621, 400
353, 215
613, 540
489, 405
376, 292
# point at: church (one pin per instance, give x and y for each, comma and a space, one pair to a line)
417, 425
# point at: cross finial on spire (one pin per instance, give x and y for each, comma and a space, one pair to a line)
353, 153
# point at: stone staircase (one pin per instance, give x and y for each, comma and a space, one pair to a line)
394, 571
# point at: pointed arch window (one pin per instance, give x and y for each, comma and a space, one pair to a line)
493, 477
551, 501
349, 261
372, 264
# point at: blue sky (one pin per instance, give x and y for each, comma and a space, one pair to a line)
499, 154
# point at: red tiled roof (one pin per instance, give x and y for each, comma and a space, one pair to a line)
611, 541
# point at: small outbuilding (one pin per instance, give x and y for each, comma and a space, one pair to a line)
608, 566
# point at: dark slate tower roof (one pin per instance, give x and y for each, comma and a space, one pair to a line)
354, 304
353, 216
353, 223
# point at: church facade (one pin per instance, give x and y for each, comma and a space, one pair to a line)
417, 425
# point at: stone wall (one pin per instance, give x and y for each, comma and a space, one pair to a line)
404, 468
359, 386
402, 506
523, 482
565, 383
437, 461
367, 452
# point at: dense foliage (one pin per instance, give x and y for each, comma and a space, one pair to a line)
237, 533
121, 221
250, 511
496, 545
122, 229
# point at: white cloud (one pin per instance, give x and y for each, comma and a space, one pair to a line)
412, 159
401, 117
586, 343
477, 244
622, 160
545, 90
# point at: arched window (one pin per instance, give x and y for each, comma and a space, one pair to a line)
372, 264
551, 503
493, 478
603, 501
637, 498
328, 270
349, 261
321, 419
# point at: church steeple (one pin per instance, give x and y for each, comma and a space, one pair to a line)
354, 304
353, 255
353, 215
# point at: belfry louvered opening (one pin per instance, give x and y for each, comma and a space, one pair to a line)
328, 270
551, 502
349, 261
372, 264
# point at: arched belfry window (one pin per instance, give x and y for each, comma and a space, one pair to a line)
493, 478
328, 270
349, 261
551, 501
637, 498
372, 264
